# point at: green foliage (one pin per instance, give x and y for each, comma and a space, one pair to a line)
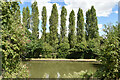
53, 27
63, 24
80, 26
18, 15
35, 20
47, 49
44, 21
21, 72
24, 19
84, 75
34, 48
63, 50
13, 41
110, 55
81, 48
91, 24
81, 74
28, 17
48, 37
71, 35
92, 50
119, 31
38, 49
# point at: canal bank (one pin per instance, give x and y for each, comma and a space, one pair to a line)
50, 59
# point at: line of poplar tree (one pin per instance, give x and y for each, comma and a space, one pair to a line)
78, 40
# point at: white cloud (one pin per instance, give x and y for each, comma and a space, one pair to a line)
40, 35
21, 18
103, 7
116, 12
100, 25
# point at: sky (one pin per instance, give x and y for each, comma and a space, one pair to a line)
106, 10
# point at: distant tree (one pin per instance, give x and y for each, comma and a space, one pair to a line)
80, 26
28, 17
18, 15
63, 50
119, 30
35, 20
44, 21
53, 27
24, 19
91, 24
63, 24
47, 37
71, 35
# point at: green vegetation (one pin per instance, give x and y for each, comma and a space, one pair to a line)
110, 54
91, 24
53, 39
81, 74
80, 26
63, 30
13, 42
18, 43
44, 21
35, 20
71, 35
26, 17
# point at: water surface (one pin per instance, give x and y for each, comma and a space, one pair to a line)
52, 68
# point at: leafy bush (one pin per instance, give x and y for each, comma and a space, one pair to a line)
81, 47
63, 50
13, 41
34, 48
47, 49
110, 55
21, 72
92, 49
81, 74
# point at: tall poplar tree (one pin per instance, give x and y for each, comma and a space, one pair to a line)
28, 17
24, 19
71, 35
80, 26
53, 27
63, 24
119, 30
35, 20
44, 21
91, 24
18, 15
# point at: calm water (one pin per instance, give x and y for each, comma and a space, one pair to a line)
39, 68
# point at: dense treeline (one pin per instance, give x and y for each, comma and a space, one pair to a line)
82, 41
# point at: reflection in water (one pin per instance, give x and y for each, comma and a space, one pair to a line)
47, 76
52, 68
58, 75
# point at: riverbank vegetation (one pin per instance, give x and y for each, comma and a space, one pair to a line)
82, 42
